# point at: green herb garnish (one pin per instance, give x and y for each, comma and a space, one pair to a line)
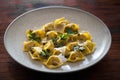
63, 36
32, 36
70, 31
55, 42
45, 53
60, 44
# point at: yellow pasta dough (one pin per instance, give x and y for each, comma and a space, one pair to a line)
53, 62
76, 56
58, 42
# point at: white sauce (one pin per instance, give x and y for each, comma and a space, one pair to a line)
44, 40
66, 68
63, 59
61, 49
38, 49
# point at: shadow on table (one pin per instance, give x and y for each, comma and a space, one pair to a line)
18, 72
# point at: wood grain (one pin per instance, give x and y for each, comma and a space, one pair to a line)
106, 69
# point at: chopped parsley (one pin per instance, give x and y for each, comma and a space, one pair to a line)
55, 40
70, 31
56, 43
45, 53
32, 36
63, 36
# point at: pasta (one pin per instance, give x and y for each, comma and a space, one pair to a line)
58, 42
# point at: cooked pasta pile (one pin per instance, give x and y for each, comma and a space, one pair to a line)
58, 42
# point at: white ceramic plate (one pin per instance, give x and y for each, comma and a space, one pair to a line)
34, 19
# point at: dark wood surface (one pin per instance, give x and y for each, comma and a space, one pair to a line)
107, 69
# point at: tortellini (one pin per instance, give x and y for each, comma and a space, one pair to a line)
49, 46
49, 27
53, 62
60, 23
71, 28
51, 34
83, 36
58, 42
75, 56
35, 52
29, 44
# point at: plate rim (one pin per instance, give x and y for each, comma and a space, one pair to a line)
64, 7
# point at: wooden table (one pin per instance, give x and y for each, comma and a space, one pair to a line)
107, 69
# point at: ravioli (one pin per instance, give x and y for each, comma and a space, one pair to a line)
58, 42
